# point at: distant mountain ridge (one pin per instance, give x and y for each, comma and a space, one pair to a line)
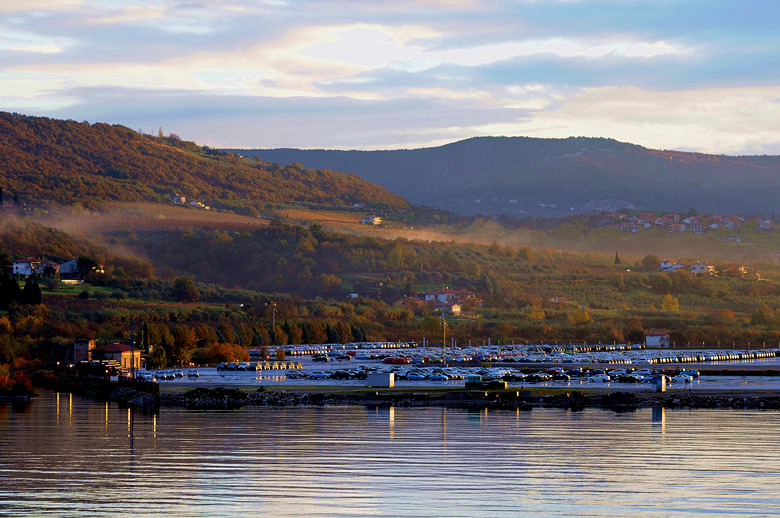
47, 161
522, 176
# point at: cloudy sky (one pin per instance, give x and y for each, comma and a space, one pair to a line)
699, 75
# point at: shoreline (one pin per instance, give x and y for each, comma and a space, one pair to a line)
222, 398
232, 397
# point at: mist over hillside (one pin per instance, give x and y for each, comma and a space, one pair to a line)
522, 176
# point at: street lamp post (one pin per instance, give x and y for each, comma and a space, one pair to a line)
132, 349
443, 324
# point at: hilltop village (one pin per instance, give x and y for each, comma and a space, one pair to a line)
629, 221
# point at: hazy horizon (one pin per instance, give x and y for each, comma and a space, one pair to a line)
403, 74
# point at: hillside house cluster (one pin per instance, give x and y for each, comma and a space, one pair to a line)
371, 219
699, 268
37, 267
451, 301
180, 199
675, 223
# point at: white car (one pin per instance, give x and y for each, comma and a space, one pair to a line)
146, 376
599, 378
682, 378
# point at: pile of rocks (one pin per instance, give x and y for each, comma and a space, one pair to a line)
230, 398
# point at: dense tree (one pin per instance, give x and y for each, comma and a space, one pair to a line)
670, 303
650, 263
183, 345
31, 294
184, 290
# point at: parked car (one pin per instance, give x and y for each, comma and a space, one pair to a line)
598, 378
193, 373
514, 376
318, 375
538, 377
320, 358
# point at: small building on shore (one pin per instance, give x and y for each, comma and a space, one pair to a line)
81, 350
657, 339
128, 357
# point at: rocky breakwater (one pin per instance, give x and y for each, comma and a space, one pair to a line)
229, 398
731, 400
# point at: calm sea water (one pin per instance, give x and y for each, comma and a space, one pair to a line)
63, 455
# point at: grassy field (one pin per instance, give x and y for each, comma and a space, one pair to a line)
142, 215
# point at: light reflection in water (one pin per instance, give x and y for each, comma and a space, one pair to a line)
379, 461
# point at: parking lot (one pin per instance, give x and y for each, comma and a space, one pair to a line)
352, 374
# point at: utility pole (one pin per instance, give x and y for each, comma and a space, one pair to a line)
132, 349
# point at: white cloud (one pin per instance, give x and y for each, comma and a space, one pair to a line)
559, 47
132, 13
279, 68
723, 120
23, 41
18, 6
517, 97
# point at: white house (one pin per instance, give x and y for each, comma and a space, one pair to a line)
449, 295
30, 266
371, 219
670, 266
448, 307
698, 268
657, 339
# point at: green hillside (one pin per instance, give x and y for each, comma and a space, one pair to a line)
47, 162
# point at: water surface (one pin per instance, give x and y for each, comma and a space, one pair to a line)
63, 455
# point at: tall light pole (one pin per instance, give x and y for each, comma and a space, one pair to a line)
132, 349
443, 324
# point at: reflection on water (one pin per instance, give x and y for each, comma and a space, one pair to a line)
67, 456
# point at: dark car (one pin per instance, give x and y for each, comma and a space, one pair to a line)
320, 358
514, 376
340, 375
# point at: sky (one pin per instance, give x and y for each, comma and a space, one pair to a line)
692, 75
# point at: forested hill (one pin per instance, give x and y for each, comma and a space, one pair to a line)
550, 177
47, 161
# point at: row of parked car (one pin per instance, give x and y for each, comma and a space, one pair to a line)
165, 375
257, 366
627, 375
